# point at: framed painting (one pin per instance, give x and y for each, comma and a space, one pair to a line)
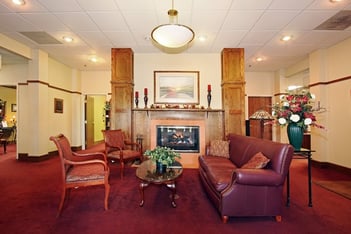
58, 105
13, 107
176, 87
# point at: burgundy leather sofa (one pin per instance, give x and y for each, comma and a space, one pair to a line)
246, 192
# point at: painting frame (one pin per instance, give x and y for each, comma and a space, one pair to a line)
58, 105
176, 87
13, 108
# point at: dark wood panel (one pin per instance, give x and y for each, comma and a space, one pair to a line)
255, 104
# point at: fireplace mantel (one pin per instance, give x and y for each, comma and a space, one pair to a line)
211, 120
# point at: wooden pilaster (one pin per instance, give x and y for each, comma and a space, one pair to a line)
233, 90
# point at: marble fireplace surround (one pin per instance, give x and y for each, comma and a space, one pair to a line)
188, 160
210, 122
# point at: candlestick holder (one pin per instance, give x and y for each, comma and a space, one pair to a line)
136, 102
209, 97
145, 101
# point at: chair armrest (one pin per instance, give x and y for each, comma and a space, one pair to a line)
137, 145
94, 161
89, 156
261, 177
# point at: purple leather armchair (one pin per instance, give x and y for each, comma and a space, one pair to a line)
235, 191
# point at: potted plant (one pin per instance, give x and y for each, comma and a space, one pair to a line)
163, 156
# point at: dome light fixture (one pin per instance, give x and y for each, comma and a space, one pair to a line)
172, 35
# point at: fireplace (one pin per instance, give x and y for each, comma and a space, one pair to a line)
184, 139
188, 159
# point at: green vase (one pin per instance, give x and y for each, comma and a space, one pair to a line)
295, 135
160, 168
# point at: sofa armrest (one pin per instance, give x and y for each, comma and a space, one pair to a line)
260, 177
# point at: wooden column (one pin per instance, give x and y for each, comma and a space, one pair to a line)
122, 83
233, 90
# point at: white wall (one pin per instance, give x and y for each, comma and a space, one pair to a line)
330, 66
96, 82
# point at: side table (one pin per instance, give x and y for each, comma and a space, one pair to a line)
301, 154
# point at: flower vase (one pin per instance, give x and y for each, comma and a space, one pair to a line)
295, 135
160, 168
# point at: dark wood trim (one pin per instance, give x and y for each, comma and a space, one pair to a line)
331, 82
321, 83
50, 86
26, 158
331, 166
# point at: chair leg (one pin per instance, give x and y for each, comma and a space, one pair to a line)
5, 144
63, 197
225, 219
122, 169
107, 192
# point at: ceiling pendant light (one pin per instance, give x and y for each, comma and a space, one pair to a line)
172, 35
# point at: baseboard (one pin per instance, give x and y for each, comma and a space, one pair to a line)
328, 165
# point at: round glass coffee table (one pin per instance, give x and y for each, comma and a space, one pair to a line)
147, 174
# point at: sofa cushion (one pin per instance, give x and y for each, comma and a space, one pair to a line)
257, 161
219, 148
219, 171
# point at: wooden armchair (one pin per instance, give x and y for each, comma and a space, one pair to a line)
81, 169
118, 148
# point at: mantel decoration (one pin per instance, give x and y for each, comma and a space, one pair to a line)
163, 156
295, 110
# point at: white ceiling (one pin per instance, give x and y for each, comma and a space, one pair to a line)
98, 26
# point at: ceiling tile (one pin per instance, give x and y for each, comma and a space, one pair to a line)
77, 21
93, 5
274, 20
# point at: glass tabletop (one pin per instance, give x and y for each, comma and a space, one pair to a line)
147, 172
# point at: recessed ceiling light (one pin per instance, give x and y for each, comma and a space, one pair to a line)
335, 1
259, 59
19, 2
67, 39
286, 38
202, 38
93, 59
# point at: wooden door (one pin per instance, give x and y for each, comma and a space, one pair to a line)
89, 121
255, 104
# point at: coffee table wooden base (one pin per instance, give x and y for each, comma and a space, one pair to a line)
170, 184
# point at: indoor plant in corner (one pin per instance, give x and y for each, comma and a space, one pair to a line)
163, 157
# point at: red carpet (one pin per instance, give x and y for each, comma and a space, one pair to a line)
30, 193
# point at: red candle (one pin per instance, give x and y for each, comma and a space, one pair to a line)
209, 87
136, 94
145, 91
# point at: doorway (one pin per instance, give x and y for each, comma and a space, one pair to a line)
94, 119
255, 104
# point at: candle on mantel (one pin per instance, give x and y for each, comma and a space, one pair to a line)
145, 91
136, 94
209, 87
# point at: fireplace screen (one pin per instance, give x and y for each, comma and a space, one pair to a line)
180, 138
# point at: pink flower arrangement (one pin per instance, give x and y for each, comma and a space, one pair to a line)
296, 107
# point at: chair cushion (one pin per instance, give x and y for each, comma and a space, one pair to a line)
219, 148
85, 173
257, 161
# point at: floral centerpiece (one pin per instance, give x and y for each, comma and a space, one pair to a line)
162, 155
296, 107
295, 110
